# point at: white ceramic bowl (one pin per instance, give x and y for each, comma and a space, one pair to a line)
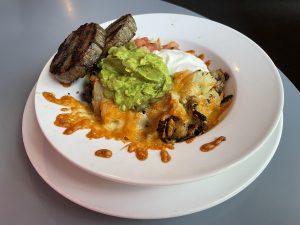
256, 109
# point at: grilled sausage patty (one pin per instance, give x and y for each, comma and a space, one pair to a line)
120, 32
79, 51
84, 47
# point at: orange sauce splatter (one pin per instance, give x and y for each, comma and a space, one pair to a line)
65, 84
190, 140
211, 145
208, 62
64, 109
201, 56
141, 154
104, 153
165, 156
112, 124
191, 52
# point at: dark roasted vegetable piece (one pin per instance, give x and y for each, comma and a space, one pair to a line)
78, 53
173, 129
87, 94
226, 99
120, 32
97, 94
226, 75
199, 121
220, 77
93, 93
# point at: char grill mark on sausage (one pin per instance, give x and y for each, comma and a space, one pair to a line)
78, 53
120, 32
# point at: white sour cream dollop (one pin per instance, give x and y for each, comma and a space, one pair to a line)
177, 61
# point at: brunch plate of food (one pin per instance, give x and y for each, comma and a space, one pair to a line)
143, 104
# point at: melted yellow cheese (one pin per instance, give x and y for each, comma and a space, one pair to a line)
135, 128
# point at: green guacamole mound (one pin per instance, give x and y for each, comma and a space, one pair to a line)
133, 77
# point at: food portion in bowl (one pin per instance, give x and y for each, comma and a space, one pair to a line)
139, 91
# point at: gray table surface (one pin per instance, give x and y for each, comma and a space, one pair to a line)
30, 33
